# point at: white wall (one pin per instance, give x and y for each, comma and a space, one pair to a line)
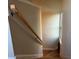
10, 46
50, 30
65, 50
49, 9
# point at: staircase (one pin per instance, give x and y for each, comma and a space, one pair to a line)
26, 42
25, 31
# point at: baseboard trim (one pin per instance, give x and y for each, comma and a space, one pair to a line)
30, 56
50, 48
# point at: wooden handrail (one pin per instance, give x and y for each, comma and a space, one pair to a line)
16, 11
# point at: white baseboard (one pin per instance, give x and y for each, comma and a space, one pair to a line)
50, 48
30, 56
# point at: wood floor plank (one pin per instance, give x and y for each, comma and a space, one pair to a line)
50, 54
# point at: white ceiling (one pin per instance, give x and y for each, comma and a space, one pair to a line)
48, 5
53, 6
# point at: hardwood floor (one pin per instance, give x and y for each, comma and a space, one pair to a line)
50, 54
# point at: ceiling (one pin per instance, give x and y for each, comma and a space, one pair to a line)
53, 6
48, 5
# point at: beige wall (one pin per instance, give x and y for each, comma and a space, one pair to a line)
24, 42
50, 30
66, 33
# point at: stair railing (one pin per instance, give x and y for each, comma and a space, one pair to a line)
16, 11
